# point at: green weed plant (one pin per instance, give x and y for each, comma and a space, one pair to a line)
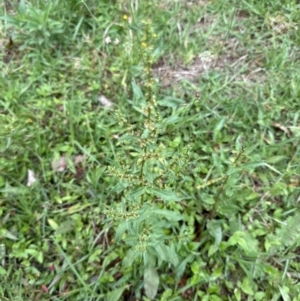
148, 210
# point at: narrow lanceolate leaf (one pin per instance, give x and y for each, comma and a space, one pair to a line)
218, 128
7, 234
120, 230
116, 294
172, 120
284, 293
166, 195
162, 251
168, 214
215, 231
137, 192
130, 257
2, 271
151, 282
53, 224
246, 287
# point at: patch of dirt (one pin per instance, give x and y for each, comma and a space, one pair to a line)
170, 75
233, 57
167, 4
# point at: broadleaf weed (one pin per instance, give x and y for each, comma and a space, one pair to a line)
148, 169
148, 208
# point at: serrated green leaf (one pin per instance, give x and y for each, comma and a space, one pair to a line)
211, 250
120, 186
151, 282
214, 297
237, 294
275, 159
171, 102
40, 257
77, 208
173, 257
162, 251
284, 293
180, 269
137, 192
172, 120
166, 294
239, 143
7, 234
238, 239
129, 258
215, 231
176, 142
246, 287
31, 252
207, 198
169, 215
66, 227
146, 133
218, 128
166, 195
120, 230
137, 93
259, 296
279, 189
2, 271
242, 243
288, 233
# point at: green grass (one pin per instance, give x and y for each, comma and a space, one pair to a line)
192, 180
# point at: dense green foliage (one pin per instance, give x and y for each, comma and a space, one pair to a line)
149, 150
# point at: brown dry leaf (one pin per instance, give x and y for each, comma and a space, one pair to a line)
59, 164
78, 159
62, 162
31, 178
105, 102
280, 24
282, 127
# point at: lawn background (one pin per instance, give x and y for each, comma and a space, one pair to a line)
222, 81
